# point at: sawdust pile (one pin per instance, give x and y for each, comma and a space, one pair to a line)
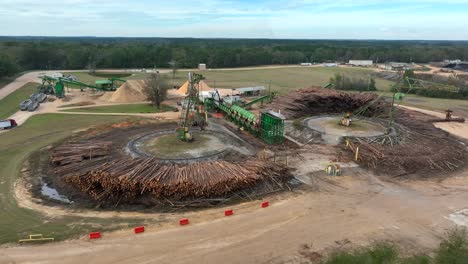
316, 100
202, 87
129, 92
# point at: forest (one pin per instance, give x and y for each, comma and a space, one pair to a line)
54, 53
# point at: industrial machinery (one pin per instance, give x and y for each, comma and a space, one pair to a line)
413, 84
269, 127
346, 121
110, 84
192, 110
333, 169
266, 98
56, 85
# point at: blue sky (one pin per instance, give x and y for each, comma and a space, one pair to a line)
298, 19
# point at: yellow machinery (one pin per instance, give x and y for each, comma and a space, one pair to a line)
333, 169
346, 121
36, 238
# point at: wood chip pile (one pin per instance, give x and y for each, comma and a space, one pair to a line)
316, 100
425, 149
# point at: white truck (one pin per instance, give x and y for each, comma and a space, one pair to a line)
7, 124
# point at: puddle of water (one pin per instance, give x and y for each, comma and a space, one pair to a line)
459, 218
53, 194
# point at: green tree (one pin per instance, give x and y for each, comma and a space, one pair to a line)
7, 66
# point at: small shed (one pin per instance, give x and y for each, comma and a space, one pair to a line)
202, 66
362, 63
250, 91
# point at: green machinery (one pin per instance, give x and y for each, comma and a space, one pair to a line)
110, 84
269, 127
261, 99
413, 83
56, 86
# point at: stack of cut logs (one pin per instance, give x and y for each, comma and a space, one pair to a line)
128, 178
73, 152
104, 178
315, 100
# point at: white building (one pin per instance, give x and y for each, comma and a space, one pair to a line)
330, 64
202, 66
362, 63
396, 66
452, 61
249, 91
306, 64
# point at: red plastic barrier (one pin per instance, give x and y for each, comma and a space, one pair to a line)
228, 212
139, 229
265, 204
94, 235
184, 221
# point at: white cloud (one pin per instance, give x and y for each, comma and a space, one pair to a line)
415, 19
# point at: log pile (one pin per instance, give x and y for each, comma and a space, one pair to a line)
425, 149
315, 100
75, 151
129, 178
456, 120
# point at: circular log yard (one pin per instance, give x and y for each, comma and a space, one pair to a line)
219, 152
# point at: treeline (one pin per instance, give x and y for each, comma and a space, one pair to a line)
35, 53
342, 82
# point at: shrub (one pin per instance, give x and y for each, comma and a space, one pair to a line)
341, 82
454, 248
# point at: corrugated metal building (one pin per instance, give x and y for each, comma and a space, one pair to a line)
361, 62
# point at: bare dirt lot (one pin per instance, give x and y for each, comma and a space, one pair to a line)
357, 207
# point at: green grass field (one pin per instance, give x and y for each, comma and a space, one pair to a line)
460, 107
123, 108
286, 79
10, 104
282, 79
15, 146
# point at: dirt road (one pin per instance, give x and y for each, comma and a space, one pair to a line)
357, 207
18, 83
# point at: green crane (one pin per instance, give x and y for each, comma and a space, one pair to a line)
414, 83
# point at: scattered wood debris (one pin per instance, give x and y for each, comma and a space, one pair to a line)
316, 100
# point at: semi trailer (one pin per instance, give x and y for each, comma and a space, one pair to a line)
7, 124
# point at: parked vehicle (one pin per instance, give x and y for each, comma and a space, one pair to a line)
7, 124
72, 78
39, 97
33, 106
24, 106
